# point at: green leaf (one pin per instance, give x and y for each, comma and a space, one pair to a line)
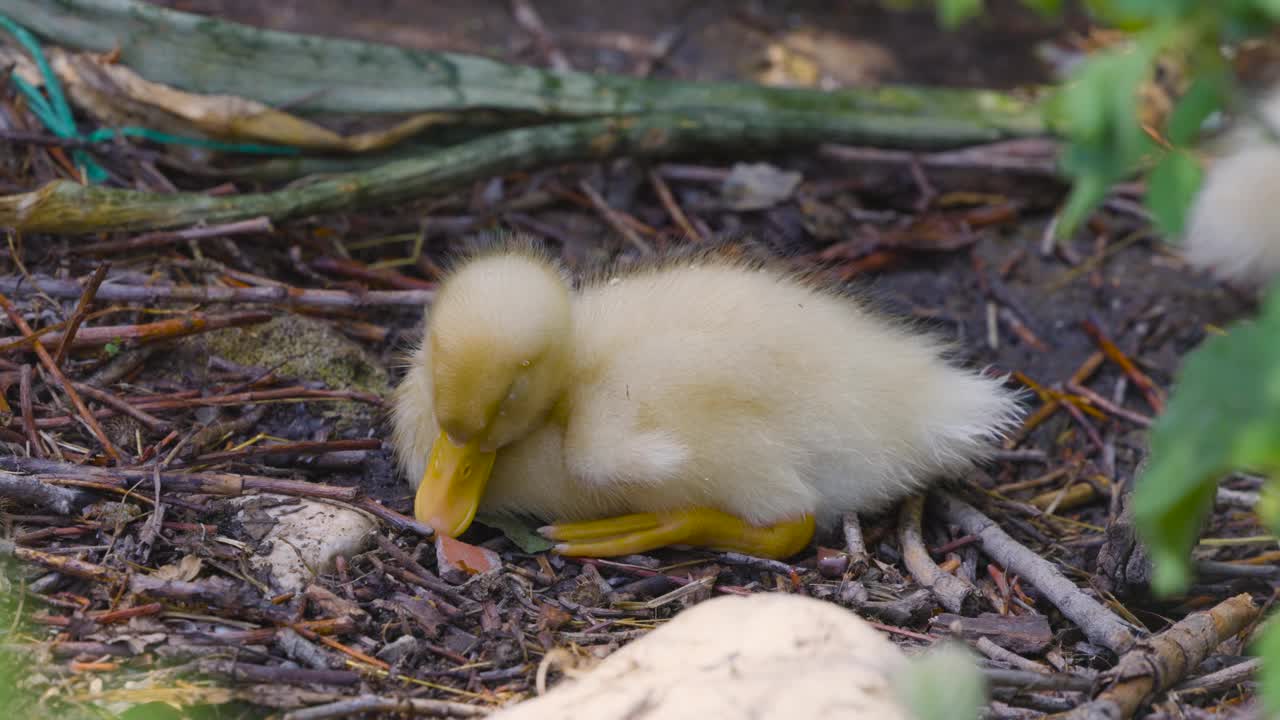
951, 13
1085, 195
1046, 8
1135, 14
942, 684
1117, 14
1268, 507
1097, 112
1202, 98
518, 531
1268, 648
1270, 7
1171, 189
1223, 415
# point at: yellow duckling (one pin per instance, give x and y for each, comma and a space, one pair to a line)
704, 401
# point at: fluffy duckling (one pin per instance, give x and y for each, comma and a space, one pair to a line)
705, 401
1233, 228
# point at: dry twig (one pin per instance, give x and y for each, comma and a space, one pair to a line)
188, 324
1099, 624
62, 381
375, 704
1157, 663
267, 295
78, 316
952, 592
855, 546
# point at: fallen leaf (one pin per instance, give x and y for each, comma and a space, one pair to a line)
117, 96
185, 570
810, 57
757, 186
518, 531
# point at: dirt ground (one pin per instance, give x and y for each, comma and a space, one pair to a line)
1006, 301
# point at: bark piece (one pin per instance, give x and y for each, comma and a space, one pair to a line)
1023, 634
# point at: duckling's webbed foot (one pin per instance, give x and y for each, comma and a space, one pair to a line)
698, 527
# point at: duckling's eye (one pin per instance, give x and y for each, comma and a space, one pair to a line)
466, 471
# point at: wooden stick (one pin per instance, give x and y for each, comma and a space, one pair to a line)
27, 490
309, 447
388, 706
1159, 662
189, 324
614, 218
952, 592
277, 674
172, 402
528, 18
855, 545
61, 563
673, 208
28, 411
271, 295
227, 484
1227, 677
1099, 624
1136, 418
205, 483
82, 309
61, 380
1117, 356
152, 423
160, 239
360, 271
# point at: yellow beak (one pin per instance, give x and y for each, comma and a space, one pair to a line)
452, 486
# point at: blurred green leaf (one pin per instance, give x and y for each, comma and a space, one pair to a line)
1268, 648
1270, 7
1205, 95
524, 534
1044, 7
1223, 415
1118, 13
1172, 188
942, 684
952, 13
1097, 111
1086, 193
1268, 507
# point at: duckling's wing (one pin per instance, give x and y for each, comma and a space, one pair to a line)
614, 437
764, 396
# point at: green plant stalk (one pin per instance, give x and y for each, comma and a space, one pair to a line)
68, 207
319, 74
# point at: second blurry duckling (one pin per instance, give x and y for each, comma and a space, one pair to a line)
1233, 227
705, 401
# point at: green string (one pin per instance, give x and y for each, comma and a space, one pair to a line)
104, 134
55, 114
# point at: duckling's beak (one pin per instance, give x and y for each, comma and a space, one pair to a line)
452, 486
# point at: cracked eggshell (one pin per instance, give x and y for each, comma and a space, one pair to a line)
304, 537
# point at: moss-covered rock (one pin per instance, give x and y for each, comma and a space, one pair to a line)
306, 349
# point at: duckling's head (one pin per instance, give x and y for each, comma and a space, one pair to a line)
499, 354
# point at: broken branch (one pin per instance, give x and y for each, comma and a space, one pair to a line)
953, 593
61, 380
1159, 662
1099, 624
269, 295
